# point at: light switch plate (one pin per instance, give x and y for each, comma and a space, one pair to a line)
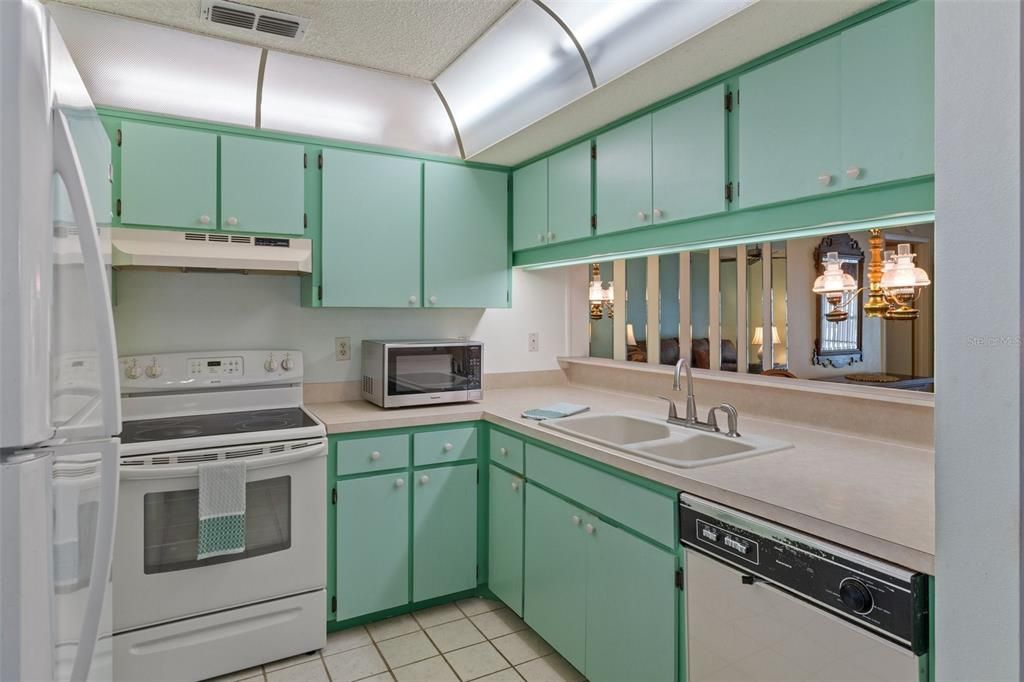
343, 348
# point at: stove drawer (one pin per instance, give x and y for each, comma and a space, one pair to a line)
375, 453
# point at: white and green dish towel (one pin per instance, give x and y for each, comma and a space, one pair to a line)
221, 509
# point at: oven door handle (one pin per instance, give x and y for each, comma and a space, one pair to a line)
252, 463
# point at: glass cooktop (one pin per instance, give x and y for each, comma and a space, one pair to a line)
223, 423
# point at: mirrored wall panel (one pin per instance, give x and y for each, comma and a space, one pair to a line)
636, 310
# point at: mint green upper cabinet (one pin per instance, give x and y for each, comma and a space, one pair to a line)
168, 176
372, 544
262, 185
505, 537
888, 96
444, 531
689, 151
555, 575
789, 126
465, 237
569, 206
631, 609
371, 230
624, 176
530, 205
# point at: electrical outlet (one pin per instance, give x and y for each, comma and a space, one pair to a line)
343, 348
533, 342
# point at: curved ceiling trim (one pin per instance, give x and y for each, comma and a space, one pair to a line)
259, 87
575, 41
451, 117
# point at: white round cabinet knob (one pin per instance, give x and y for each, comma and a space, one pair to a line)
515, 485
424, 479
658, 213
551, 236
640, 215
399, 482
590, 529
825, 179
576, 520
854, 172
448, 447
204, 219
412, 300
540, 237
232, 220
504, 451
374, 455
433, 300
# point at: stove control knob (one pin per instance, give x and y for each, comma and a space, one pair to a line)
154, 370
856, 595
287, 364
132, 371
271, 364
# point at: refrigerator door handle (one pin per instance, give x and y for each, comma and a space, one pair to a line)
67, 166
65, 161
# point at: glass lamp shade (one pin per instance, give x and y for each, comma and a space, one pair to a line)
900, 273
833, 280
599, 293
630, 335
758, 339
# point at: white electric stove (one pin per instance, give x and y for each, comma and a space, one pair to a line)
178, 617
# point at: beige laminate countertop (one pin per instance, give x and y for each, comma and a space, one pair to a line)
869, 495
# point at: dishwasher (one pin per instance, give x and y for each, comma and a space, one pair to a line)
767, 603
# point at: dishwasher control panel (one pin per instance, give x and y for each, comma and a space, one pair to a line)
882, 597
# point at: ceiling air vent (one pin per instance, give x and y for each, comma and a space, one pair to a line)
252, 18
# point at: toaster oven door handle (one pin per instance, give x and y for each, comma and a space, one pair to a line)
253, 463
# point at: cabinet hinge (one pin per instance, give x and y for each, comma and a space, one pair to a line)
305, 160
728, 191
119, 207
478, 477
305, 220
728, 101
334, 604
679, 579
118, 137
334, 496
593, 152
478, 571
593, 220
320, 160
320, 292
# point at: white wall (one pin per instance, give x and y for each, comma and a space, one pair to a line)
171, 311
977, 339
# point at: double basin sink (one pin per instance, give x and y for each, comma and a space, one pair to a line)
660, 441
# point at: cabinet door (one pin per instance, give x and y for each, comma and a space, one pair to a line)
506, 538
555, 575
444, 531
371, 230
569, 207
262, 185
888, 96
631, 607
624, 177
789, 127
373, 544
168, 176
465, 233
530, 205
689, 151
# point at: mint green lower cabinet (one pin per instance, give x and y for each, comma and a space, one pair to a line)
168, 176
465, 237
569, 193
505, 538
554, 579
631, 607
262, 185
444, 531
371, 230
372, 544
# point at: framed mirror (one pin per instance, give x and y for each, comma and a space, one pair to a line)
839, 344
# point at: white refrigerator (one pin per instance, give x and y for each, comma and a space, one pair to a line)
59, 394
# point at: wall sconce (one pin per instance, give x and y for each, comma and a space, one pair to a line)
894, 283
602, 298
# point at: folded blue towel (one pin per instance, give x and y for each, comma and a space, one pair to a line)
556, 411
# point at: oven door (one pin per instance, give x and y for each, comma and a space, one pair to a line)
416, 374
156, 574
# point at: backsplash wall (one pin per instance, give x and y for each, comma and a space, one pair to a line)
160, 311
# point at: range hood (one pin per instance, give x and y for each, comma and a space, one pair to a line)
163, 249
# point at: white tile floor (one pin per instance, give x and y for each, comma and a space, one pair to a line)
473, 639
